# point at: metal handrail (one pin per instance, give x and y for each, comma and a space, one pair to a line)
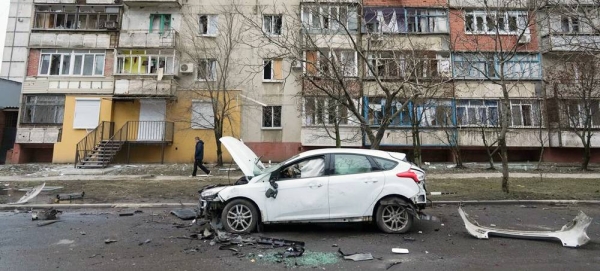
104, 131
145, 131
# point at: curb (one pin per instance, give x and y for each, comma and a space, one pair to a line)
188, 204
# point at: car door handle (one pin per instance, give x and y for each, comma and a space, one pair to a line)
371, 181
315, 185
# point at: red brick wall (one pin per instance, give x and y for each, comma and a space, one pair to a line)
460, 41
109, 61
33, 62
274, 151
30, 153
405, 3
569, 155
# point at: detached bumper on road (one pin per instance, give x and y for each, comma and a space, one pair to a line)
573, 234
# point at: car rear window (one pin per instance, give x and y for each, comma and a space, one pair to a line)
385, 164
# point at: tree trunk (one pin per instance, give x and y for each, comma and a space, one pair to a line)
219, 154
458, 158
586, 157
504, 156
338, 140
416, 145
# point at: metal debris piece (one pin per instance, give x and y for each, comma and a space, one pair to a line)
232, 247
291, 252
108, 241
30, 194
573, 234
184, 214
278, 242
400, 250
46, 223
69, 197
126, 214
145, 242
356, 256
392, 264
45, 189
49, 214
408, 238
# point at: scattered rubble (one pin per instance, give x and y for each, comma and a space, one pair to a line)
356, 256
108, 241
392, 264
49, 214
185, 214
145, 242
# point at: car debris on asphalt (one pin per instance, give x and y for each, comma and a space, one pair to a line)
29, 195
46, 223
392, 264
400, 250
185, 214
70, 197
49, 214
356, 256
108, 241
145, 242
573, 234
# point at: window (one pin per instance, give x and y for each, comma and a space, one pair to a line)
327, 62
569, 24
351, 164
395, 65
272, 69
272, 24
160, 23
385, 164
576, 113
376, 114
518, 66
207, 70
477, 112
496, 22
87, 113
330, 19
525, 113
43, 109
309, 168
66, 17
202, 115
71, 62
271, 117
327, 111
208, 24
404, 20
146, 62
435, 113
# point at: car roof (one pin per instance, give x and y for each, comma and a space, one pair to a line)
379, 153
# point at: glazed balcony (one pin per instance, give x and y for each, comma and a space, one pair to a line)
153, 3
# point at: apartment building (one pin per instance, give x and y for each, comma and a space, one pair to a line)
136, 81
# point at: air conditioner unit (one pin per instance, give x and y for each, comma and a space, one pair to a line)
525, 38
111, 25
296, 64
186, 68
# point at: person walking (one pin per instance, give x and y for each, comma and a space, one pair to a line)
198, 157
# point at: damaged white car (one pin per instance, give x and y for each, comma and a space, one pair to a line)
325, 185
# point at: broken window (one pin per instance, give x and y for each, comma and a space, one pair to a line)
145, 62
272, 69
43, 109
202, 115
519, 66
377, 114
351, 164
320, 110
160, 23
271, 117
272, 24
435, 113
207, 70
330, 18
76, 17
569, 24
477, 112
492, 22
208, 24
70, 62
308, 168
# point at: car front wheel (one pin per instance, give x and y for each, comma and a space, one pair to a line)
239, 216
393, 218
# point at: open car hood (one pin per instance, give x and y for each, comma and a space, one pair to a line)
243, 156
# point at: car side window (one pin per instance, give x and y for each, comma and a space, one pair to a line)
351, 164
308, 168
385, 164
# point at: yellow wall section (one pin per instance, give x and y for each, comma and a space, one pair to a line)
64, 151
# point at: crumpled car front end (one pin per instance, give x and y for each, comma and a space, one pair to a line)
210, 204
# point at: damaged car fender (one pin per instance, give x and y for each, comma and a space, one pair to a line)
407, 191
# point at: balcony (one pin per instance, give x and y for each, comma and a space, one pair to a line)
72, 40
145, 87
99, 85
153, 3
147, 39
570, 43
37, 135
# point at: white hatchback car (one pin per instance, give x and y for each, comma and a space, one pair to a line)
325, 185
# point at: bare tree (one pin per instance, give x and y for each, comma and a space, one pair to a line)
500, 34
211, 44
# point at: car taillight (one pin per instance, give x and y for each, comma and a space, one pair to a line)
409, 174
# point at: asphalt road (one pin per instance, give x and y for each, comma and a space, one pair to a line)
77, 243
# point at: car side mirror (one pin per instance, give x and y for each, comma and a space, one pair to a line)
271, 193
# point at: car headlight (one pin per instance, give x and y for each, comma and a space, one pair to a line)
208, 195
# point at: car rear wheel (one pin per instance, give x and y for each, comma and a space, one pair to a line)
393, 218
239, 216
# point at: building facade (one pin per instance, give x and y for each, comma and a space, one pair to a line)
136, 81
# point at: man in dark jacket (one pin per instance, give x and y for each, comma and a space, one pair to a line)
198, 156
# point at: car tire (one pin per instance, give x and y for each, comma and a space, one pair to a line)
239, 216
393, 218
